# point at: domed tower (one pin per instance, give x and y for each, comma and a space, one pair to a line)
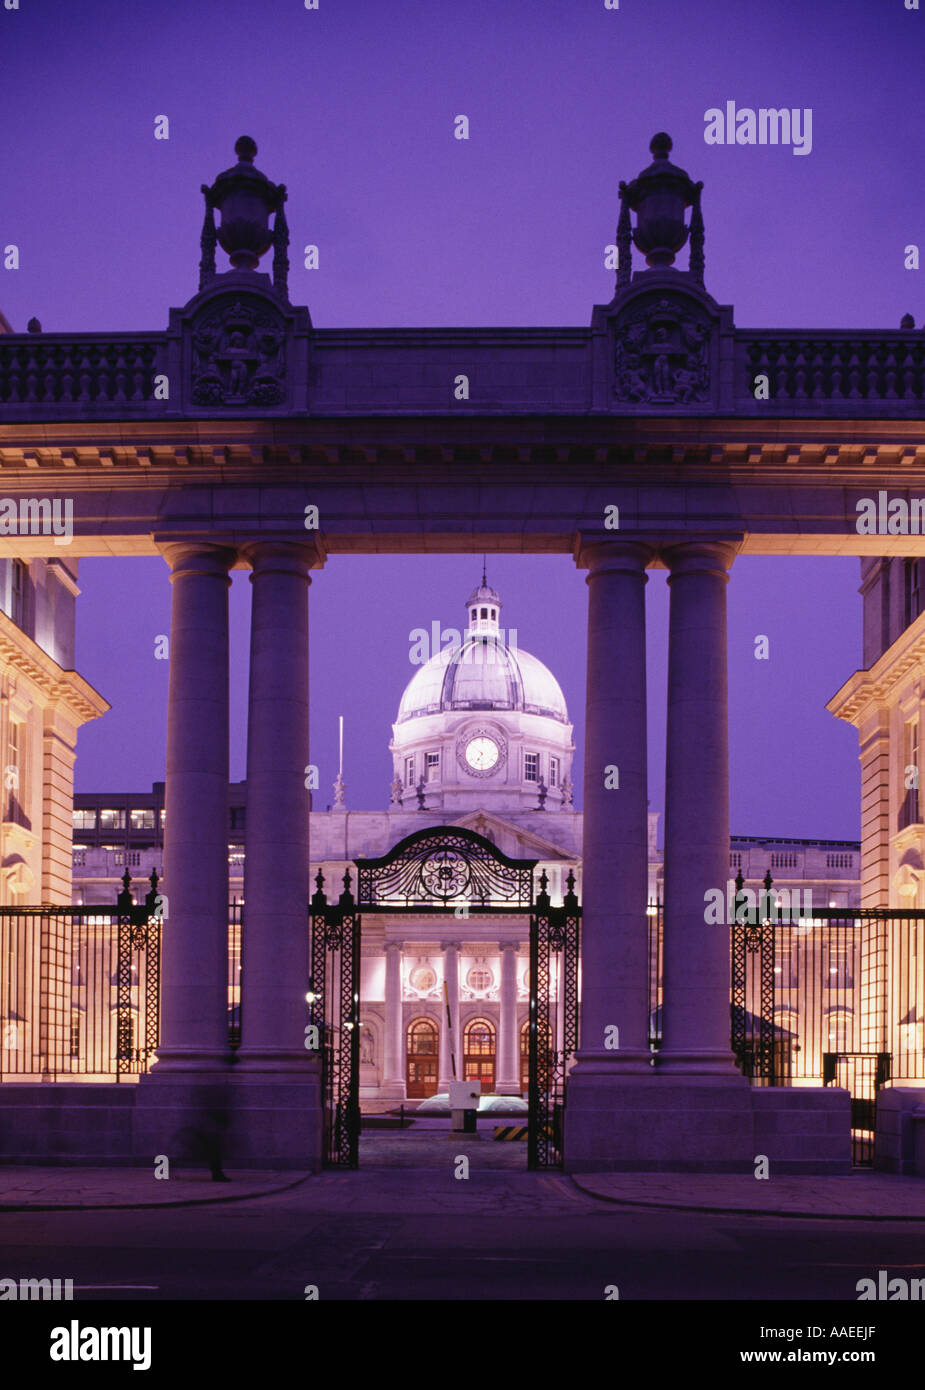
482, 725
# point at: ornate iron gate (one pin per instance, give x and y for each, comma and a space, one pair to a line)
445, 870
862, 1074
334, 1000
553, 1038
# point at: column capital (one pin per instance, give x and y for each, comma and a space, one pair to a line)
292, 557
509, 946
450, 945
599, 555
700, 556
198, 557
393, 946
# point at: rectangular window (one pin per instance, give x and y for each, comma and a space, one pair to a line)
238, 817
840, 973
531, 767
112, 819
18, 593
553, 772
141, 820
786, 969
911, 596
433, 767
84, 819
409, 772
909, 805
14, 774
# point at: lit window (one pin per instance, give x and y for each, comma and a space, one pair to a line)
479, 979
112, 819
84, 819
15, 773
423, 978
553, 772
433, 767
18, 593
531, 767
141, 820
409, 772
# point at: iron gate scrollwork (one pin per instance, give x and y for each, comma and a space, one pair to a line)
553, 1035
334, 1009
436, 871
445, 867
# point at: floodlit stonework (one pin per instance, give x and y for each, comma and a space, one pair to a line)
205, 442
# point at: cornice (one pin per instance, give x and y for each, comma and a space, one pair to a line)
21, 653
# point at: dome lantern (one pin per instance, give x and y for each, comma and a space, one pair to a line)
483, 606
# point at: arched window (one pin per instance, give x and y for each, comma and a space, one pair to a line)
421, 1058
479, 1053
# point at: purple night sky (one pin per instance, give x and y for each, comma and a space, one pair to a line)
352, 107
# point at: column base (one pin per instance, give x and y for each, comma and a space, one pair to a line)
507, 1088
250, 1120
696, 1062
391, 1090
271, 1059
703, 1125
186, 1060
620, 1062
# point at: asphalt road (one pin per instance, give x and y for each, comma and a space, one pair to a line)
422, 1233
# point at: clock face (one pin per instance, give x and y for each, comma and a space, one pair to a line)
482, 753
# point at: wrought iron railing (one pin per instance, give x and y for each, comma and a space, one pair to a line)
79, 989
235, 924
837, 981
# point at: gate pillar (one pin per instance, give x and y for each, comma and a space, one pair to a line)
614, 890
697, 962
194, 972
274, 952
277, 1075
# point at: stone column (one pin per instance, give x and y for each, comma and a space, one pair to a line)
696, 960
507, 1081
392, 1086
194, 936
614, 933
275, 947
450, 951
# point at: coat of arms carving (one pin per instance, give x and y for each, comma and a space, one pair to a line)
662, 356
239, 357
